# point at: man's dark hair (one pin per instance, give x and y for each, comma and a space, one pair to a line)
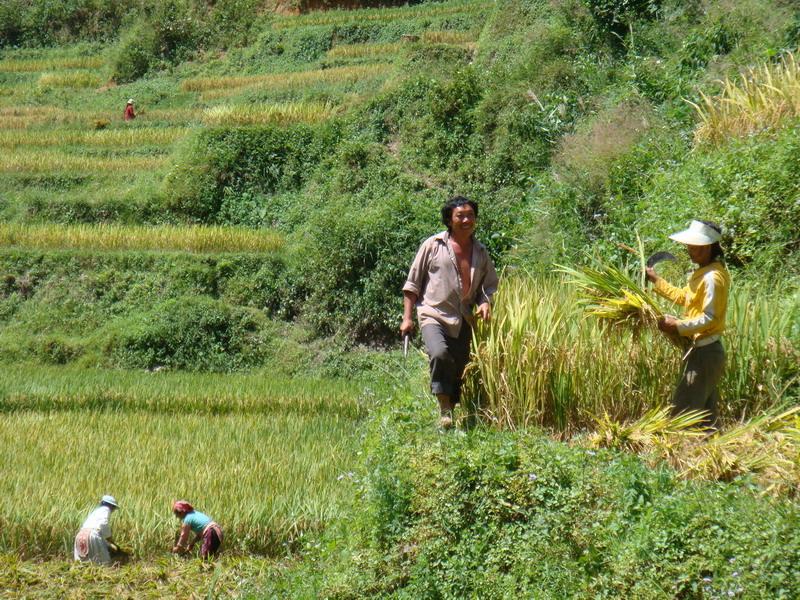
453, 203
716, 249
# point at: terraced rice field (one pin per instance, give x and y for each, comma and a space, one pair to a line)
262, 456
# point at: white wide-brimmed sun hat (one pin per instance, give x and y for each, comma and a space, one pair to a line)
130, 101
698, 234
109, 500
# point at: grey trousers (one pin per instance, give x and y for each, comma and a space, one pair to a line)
697, 386
448, 357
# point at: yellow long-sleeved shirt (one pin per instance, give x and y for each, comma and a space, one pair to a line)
705, 300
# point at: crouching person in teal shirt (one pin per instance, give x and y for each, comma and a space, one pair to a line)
204, 528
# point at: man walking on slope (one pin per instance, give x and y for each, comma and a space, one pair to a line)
451, 274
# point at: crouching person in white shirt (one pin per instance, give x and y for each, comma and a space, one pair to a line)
93, 542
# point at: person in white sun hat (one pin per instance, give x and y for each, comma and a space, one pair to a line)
705, 300
130, 113
93, 542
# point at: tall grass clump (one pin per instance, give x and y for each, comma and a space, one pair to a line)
761, 99
196, 238
273, 114
543, 361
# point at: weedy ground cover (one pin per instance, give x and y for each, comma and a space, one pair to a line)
197, 238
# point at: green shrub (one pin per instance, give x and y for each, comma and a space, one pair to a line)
748, 186
193, 332
353, 259
616, 15
256, 160
136, 53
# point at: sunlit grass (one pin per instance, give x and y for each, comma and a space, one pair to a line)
49, 64
196, 238
262, 114
333, 17
109, 138
761, 99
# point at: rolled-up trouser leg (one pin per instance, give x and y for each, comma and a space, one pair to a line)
697, 387
448, 357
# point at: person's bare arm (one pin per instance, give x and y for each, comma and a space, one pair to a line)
181, 545
407, 325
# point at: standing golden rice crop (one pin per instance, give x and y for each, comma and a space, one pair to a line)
58, 162
287, 80
761, 99
119, 138
318, 18
69, 79
199, 238
50, 64
262, 114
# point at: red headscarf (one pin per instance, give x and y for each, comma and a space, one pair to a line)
182, 506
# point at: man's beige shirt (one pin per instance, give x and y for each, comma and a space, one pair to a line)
435, 279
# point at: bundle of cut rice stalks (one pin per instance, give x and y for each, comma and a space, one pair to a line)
610, 293
766, 448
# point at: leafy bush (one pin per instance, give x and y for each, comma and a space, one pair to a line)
746, 185
168, 34
353, 259
257, 160
193, 332
616, 15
